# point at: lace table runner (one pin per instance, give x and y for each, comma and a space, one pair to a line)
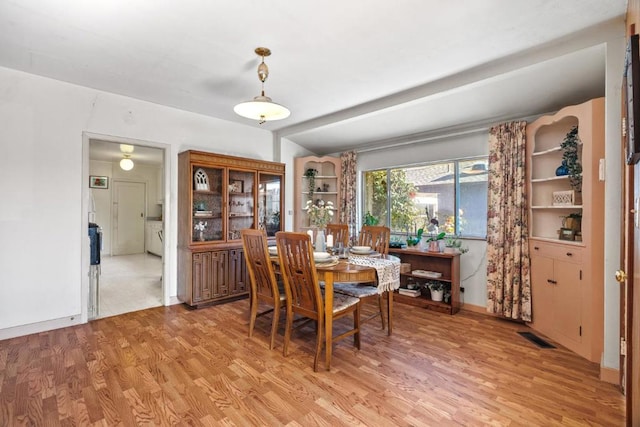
388, 271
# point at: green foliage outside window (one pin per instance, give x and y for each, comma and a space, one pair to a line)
403, 210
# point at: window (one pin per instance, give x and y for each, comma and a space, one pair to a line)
450, 196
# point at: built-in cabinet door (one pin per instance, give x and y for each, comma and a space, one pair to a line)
567, 301
542, 293
237, 272
201, 276
556, 299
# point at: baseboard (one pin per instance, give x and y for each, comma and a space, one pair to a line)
475, 309
610, 375
173, 300
36, 328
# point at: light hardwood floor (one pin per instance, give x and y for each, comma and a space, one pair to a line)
177, 366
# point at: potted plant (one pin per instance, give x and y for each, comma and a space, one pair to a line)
452, 245
434, 241
310, 174
413, 241
273, 223
437, 290
573, 221
570, 158
369, 219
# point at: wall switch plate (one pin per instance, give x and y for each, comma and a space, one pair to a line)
601, 170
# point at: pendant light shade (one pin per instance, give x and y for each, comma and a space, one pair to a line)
261, 108
126, 163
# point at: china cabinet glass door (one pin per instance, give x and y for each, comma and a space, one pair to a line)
241, 202
269, 203
207, 224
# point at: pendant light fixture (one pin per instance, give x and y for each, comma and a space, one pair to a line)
262, 108
126, 163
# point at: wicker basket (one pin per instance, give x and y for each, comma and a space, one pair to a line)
566, 198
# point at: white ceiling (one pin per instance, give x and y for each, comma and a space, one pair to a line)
355, 74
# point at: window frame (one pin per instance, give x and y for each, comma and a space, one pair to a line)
457, 190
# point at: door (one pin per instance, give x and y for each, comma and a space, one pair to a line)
631, 294
128, 217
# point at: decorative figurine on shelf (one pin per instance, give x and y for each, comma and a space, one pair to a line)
200, 227
325, 188
562, 170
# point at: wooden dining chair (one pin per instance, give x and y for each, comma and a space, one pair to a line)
304, 296
264, 286
377, 237
340, 233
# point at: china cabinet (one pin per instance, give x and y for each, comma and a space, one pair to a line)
316, 179
218, 196
565, 229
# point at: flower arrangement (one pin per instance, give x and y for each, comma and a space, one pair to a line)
200, 227
320, 213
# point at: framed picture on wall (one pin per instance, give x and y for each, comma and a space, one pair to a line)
99, 182
631, 95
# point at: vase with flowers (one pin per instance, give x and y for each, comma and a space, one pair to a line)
200, 227
320, 214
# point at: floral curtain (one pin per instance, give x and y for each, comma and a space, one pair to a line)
508, 281
348, 192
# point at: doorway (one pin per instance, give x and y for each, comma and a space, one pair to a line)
130, 273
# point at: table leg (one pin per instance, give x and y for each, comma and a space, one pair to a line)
389, 312
328, 316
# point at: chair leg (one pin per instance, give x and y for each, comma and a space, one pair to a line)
380, 307
287, 331
356, 326
253, 313
274, 325
319, 340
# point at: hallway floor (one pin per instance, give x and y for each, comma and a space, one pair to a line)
130, 283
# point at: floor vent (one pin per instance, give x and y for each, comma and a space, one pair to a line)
536, 340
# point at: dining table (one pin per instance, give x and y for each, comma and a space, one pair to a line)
348, 271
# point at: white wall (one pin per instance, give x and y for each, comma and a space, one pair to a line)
289, 151
43, 178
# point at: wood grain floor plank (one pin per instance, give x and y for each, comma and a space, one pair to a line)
176, 366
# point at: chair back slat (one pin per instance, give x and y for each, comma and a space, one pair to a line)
299, 273
254, 243
375, 236
340, 233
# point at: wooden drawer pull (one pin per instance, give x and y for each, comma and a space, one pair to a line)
536, 248
569, 254
553, 282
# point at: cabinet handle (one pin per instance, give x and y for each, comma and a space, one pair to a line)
536, 248
569, 254
553, 282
